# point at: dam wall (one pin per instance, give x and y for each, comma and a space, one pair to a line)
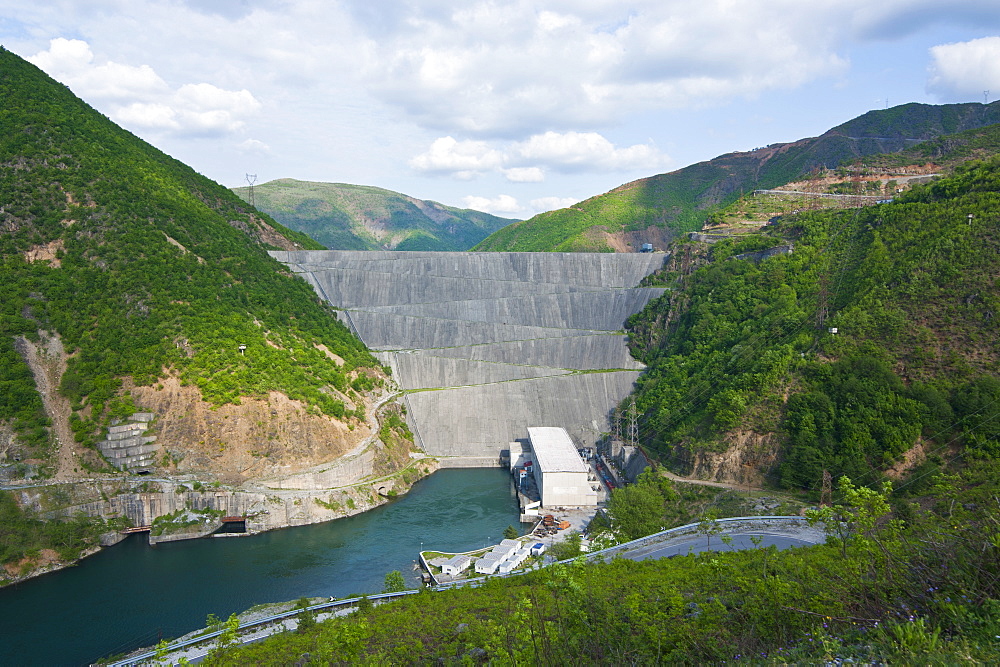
487, 344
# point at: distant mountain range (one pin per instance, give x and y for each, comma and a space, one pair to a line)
360, 217
657, 208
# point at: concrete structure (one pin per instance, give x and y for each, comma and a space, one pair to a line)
456, 565
514, 560
126, 446
501, 336
560, 472
488, 564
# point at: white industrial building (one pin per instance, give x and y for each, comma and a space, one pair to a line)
560, 473
456, 565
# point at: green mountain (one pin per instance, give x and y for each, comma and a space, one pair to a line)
360, 217
132, 281
657, 208
863, 342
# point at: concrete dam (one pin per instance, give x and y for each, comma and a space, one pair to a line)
485, 345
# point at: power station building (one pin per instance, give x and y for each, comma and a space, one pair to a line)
560, 473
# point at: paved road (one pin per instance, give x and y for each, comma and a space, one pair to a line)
699, 543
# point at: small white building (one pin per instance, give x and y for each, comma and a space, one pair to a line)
560, 472
488, 564
538, 548
456, 565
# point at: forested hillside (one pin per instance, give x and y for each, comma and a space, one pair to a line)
659, 207
139, 271
908, 583
871, 349
360, 217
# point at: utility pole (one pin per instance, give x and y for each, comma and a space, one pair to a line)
251, 180
822, 309
633, 425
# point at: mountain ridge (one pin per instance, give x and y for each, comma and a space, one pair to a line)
343, 216
659, 207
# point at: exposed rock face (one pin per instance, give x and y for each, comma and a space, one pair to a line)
749, 456
235, 443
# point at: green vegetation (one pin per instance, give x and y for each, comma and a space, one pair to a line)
681, 200
911, 288
394, 582
144, 269
23, 535
360, 217
179, 520
921, 590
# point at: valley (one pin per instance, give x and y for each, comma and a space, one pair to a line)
819, 319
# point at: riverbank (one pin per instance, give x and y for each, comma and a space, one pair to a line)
145, 593
143, 502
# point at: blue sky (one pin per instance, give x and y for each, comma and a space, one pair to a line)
513, 107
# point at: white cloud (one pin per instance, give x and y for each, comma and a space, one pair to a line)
503, 205
137, 97
543, 204
501, 69
526, 161
524, 174
253, 146
147, 116
72, 62
463, 159
962, 71
587, 151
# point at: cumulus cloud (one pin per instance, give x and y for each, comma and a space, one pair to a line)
463, 159
137, 97
524, 174
498, 69
587, 151
526, 161
253, 146
963, 70
503, 205
543, 204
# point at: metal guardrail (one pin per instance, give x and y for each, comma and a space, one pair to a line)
194, 641
478, 581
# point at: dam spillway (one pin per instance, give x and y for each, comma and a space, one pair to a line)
487, 344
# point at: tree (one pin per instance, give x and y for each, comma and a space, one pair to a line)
637, 510
394, 582
709, 526
511, 533
307, 617
855, 516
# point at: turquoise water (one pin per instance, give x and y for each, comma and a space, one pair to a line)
130, 594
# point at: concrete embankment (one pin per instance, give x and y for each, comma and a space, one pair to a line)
487, 344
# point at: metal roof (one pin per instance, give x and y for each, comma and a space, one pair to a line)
554, 450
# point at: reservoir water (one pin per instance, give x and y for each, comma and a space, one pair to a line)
130, 594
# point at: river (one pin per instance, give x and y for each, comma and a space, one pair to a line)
132, 594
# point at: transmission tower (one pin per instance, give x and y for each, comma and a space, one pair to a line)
616, 419
823, 308
251, 180
633, 425
825, 496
